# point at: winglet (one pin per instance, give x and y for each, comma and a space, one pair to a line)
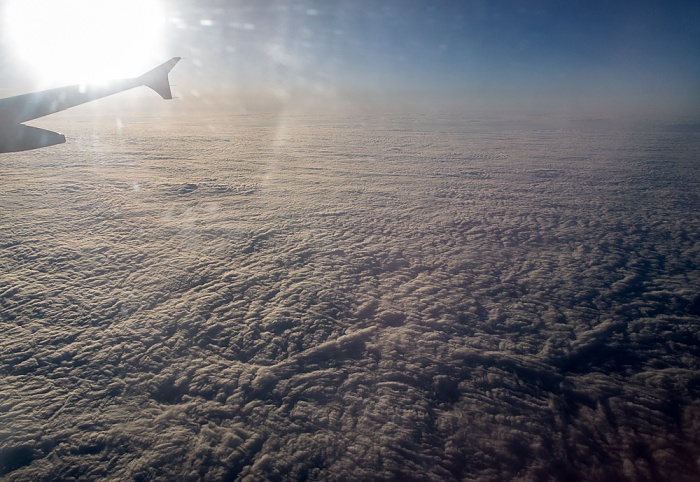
157, 79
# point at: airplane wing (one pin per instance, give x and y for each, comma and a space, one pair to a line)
14, 136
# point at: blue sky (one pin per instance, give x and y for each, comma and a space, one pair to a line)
576, 54
582, 51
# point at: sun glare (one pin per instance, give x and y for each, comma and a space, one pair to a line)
73, 41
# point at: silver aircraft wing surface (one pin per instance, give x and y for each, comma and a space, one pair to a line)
15, 136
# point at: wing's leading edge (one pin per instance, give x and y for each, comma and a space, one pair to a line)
15, 110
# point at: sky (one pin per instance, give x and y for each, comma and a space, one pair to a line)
495, 52
577, 56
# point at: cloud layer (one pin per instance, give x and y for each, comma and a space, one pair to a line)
351, 301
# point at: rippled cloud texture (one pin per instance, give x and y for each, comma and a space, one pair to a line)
351, 301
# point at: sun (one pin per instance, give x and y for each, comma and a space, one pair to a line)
74, 41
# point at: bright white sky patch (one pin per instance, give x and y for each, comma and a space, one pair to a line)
86, 40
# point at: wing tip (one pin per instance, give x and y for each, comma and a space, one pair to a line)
157, 79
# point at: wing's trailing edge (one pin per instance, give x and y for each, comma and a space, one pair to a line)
14, 136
